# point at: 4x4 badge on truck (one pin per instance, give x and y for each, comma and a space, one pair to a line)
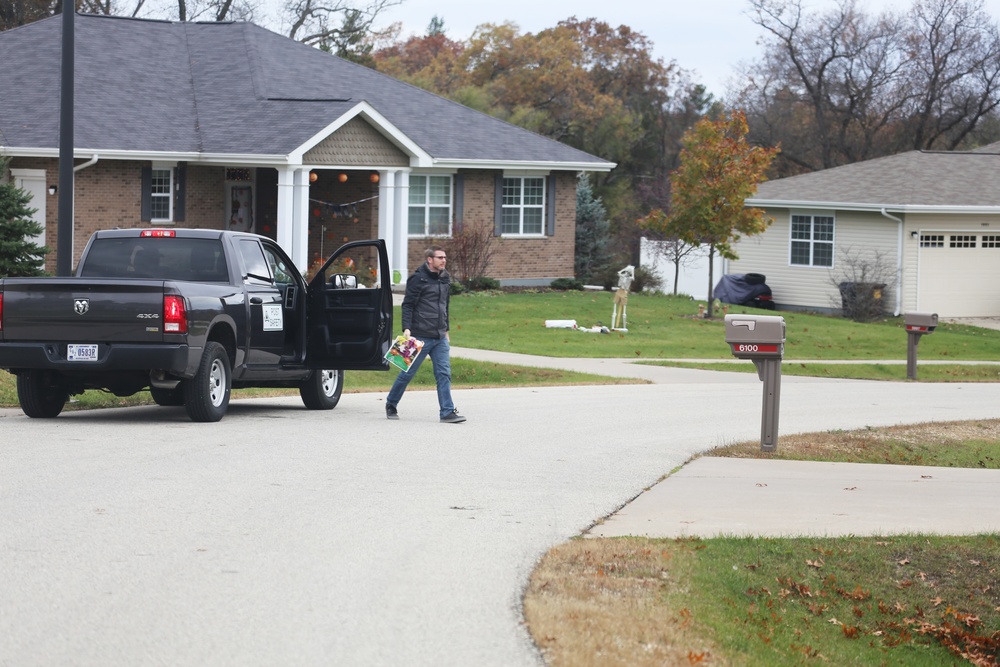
81, 306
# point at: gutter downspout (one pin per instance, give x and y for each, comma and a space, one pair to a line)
899, 262
89, 163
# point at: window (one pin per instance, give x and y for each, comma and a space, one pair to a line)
932, 240
161, 188
991, 241
962, 241
812, 240
430, 206
256, 264
523, 206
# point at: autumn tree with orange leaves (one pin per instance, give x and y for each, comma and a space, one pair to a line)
719, 169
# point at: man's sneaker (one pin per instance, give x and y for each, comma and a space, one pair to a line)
390, 412
453, 418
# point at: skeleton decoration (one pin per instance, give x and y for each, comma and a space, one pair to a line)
619, 318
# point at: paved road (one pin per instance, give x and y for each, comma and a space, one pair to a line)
286, 537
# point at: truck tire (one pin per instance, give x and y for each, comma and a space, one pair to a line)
39, 396
206, 395
322, 390
167, 397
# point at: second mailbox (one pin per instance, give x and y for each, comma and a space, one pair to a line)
756, 336
920, 322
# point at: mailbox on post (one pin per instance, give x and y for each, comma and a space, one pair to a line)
761, 339
917, 324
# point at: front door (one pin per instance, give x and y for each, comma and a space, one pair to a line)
350, 309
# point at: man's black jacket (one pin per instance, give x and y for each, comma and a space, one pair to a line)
425, 306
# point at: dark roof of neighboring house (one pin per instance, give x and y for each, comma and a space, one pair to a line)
912, 181
227, 88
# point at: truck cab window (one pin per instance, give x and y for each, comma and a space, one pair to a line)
279, 269
254, 261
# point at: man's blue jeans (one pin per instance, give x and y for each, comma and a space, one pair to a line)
439, 351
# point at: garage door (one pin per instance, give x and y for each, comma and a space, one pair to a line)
959, 274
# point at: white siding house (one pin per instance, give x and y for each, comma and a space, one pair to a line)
931, 218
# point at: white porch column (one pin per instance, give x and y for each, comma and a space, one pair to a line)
386, 212
300, 239
400, 223
286, 210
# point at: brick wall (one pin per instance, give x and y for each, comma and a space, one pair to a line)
108, 194
538, 260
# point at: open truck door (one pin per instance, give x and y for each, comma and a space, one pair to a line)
349, 312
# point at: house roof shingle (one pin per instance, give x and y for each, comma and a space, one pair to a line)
229, 89
916, 180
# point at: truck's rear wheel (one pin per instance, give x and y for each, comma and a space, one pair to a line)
167, 397
39, 395
322, 390
206, 395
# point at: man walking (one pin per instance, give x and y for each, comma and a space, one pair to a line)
425, 317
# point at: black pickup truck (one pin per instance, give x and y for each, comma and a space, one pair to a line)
191, 314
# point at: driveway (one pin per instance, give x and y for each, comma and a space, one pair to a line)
281, 536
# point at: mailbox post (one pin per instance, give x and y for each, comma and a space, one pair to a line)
917, 324
761, 339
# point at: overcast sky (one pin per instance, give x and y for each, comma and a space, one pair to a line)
707, 37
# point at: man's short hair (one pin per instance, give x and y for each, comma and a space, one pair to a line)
433, 249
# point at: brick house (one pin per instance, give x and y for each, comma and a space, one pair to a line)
218, 125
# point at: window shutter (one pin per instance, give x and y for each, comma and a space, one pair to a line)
180, 176
498, 206
146, 207
459, 203
550, 207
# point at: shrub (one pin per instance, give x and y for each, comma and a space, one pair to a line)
566, 284
457, 287
646, 279
471, 250
482, 283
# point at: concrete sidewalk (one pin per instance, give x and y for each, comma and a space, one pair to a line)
713, 496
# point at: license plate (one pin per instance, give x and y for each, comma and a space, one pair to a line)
81, 352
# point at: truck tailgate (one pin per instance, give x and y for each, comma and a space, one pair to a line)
74, 310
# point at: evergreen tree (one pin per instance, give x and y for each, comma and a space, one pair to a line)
19, 254
593, 234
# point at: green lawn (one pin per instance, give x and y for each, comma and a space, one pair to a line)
659, 327
667, 327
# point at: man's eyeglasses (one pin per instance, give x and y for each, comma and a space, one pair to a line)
439, 256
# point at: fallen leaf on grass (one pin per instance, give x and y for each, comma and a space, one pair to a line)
818, 563
937, 601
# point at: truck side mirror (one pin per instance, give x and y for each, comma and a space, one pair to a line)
343, 281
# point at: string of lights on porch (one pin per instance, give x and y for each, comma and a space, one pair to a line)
347, 210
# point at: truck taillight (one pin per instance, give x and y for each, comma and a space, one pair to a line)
157, 234
174, 315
